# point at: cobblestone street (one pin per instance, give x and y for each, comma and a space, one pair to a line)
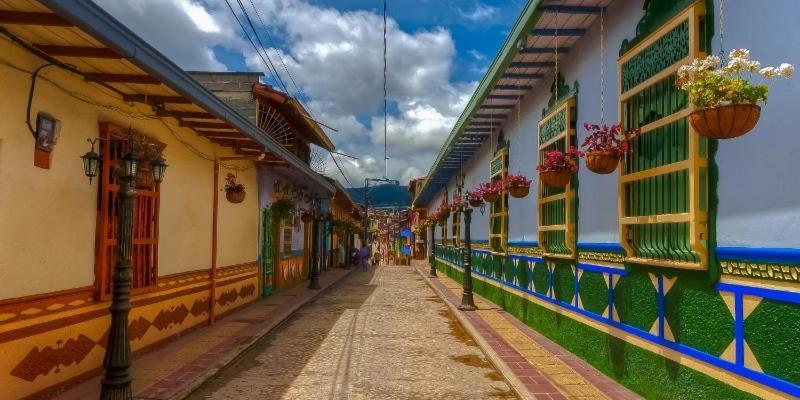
381, 334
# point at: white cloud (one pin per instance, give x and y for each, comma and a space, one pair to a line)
480, 13
336, 58
477, 55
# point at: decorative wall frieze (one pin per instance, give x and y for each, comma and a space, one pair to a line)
601, 256
776, 272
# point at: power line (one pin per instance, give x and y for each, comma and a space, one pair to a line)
250, 39
385, 102
258, 38
272, 42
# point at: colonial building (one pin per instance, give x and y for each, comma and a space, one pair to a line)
677, 274
70, 72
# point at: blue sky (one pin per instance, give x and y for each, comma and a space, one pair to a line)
438, 51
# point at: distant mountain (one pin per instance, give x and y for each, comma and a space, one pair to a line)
383, 196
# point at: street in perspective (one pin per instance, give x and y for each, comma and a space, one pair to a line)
399, 199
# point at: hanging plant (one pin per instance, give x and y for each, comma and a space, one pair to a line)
474, 198
489, 191
306, 216
558, 167
517, 185
444, 211
458, 204
605, 145
726, 95
234, 191
283, 209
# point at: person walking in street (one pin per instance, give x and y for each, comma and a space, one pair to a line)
363, 259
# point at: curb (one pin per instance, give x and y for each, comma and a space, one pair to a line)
283, 315
513, 382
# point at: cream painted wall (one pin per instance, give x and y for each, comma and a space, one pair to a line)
48, 216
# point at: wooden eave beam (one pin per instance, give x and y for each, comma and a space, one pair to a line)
220, 134
78, 51
204, 124
155, 99
185, 114
11, 17
511, 75
121, 78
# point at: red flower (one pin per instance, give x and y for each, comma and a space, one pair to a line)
557, 160
608, 138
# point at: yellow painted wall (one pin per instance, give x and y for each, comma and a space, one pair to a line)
48, 217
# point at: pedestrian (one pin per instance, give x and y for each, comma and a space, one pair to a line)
364, 257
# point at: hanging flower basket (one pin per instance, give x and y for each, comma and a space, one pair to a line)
519, 191
306, 217
725, 122
555, 179
726, 93
445, 214
517, 185
475, 203
235, 197
602, 162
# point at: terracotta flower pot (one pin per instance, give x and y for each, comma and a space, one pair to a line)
475, 203
725, 122
491, 197
235, 197
519, 191
445, 215
306, 217
555, 179
602, 162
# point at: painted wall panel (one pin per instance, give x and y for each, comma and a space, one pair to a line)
47, 242
759, 204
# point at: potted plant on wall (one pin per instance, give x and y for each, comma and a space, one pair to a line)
444, 210
306, 216
474, 198
726, 96
282, 209
558, 167
605, 145
517, 185
234, 191
490, 191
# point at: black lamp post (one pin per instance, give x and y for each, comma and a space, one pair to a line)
116, 382
467, 302
313, 282
433, 250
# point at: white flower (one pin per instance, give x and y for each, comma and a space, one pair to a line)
740, 53
786, 70
768, 72
724, 102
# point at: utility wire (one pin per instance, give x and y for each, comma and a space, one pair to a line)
272, 71
272, 42
258, 38
385, 102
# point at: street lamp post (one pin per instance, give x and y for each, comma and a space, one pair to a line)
433, 250
314, 278
116, 383
467, 302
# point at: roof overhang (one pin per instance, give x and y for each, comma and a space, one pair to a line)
525, 60
298, 116
154, 79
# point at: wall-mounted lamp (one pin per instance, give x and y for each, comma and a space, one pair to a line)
91, 162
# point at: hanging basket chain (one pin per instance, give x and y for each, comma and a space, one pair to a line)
721, 28
602, 67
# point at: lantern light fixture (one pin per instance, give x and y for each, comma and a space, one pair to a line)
91, 162
159, 167
130, 165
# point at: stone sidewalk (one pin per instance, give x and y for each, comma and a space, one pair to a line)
535, 366
175, 370
379, 335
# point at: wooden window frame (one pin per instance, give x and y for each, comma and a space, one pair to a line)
695, 165
549, 200
498, 169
